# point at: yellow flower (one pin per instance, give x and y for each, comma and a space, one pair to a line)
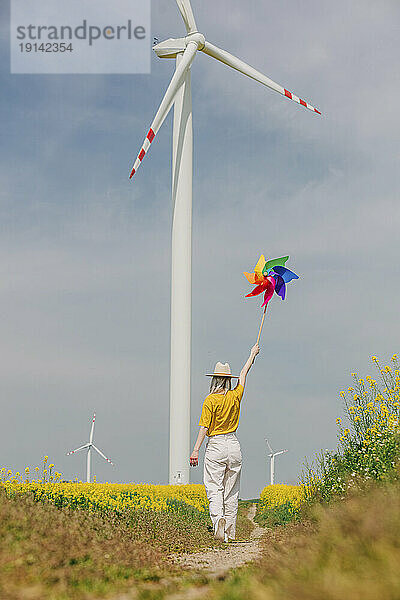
338, 421
374, 358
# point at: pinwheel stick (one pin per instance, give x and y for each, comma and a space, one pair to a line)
261, 325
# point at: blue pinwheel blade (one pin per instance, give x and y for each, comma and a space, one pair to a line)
286, 274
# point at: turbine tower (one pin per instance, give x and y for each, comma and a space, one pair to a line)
272, 463
178, 94
89, 447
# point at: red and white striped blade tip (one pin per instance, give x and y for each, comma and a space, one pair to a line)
292, 96
150, 137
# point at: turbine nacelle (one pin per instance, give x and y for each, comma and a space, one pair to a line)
172, 46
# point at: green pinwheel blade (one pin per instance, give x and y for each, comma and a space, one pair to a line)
275, 262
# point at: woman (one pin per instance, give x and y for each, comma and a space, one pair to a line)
223, 458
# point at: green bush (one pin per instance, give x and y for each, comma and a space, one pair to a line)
369, 448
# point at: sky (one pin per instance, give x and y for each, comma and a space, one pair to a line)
85, 253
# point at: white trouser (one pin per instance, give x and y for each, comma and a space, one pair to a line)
222, 466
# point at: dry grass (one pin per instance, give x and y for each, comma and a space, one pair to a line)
350, 551
46, 552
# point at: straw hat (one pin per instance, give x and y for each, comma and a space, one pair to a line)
222, 370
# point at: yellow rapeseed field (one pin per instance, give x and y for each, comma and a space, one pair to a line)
277, 495
104, 496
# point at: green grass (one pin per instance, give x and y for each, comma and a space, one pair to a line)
244, 526
279, 515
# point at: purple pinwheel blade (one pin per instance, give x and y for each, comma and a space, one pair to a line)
286, 274
280, 286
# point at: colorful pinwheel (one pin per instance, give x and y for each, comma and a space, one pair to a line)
269, 277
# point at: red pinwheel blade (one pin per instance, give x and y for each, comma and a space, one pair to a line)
268, 294
257, 290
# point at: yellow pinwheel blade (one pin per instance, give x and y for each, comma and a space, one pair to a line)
260, 265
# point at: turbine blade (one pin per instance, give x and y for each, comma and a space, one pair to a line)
103, 455
167, 101
187, 15
77, 449
242, 67
269, 447
92, 429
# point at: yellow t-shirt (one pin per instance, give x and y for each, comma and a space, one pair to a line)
220, 413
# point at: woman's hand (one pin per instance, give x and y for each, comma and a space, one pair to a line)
194, 458
255, 350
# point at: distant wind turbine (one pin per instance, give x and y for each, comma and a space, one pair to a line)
179, 96
89, 447
272, 457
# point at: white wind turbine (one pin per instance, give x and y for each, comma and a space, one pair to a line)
178, 93
89, 447
272, 464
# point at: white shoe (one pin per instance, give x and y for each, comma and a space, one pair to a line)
220, 530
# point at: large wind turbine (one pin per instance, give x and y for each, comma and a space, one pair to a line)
178, 93
89, 447
272, 464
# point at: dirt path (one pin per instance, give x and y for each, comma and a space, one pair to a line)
217, 562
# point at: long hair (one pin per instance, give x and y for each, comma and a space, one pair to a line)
220, 384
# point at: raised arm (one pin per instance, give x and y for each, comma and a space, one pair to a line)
247, 365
